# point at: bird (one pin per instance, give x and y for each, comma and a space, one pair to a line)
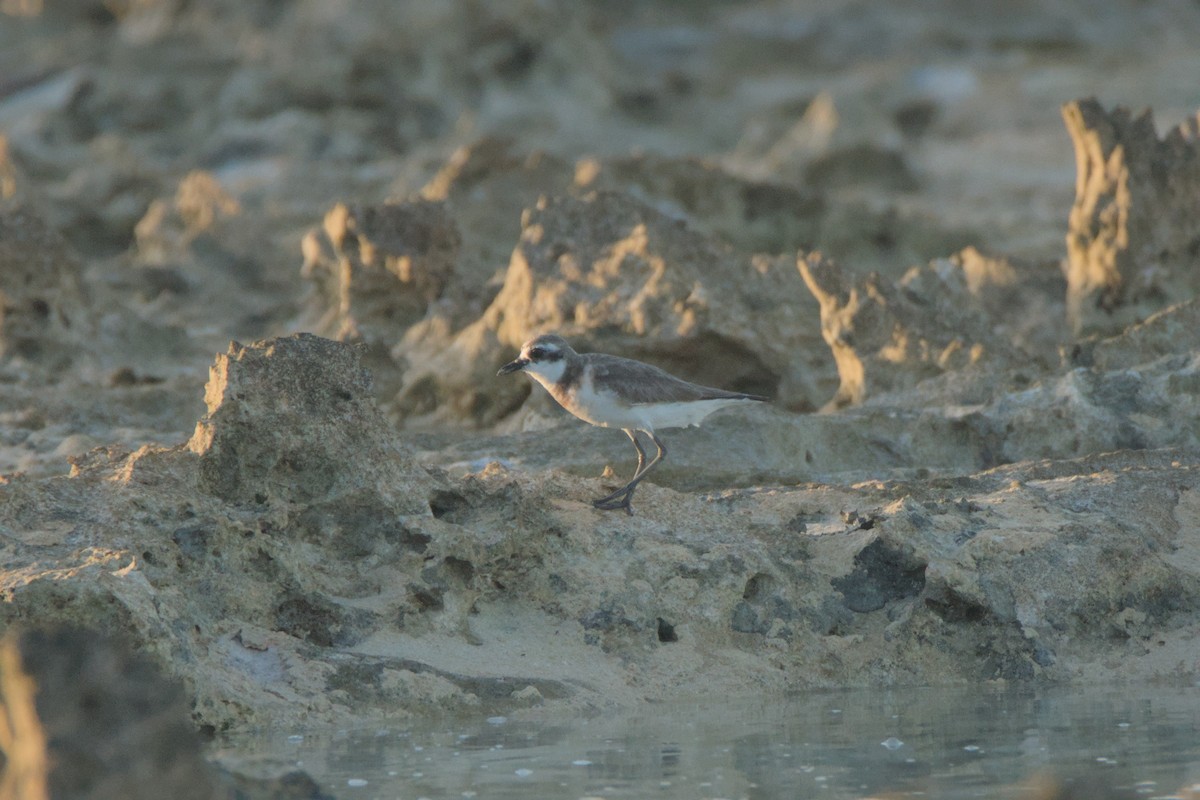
615, 392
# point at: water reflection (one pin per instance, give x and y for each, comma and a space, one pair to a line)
1091, 743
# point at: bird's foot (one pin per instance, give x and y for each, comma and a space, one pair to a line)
613, 503
624, 492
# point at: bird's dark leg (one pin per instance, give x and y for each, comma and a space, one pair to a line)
625, 493
632, 434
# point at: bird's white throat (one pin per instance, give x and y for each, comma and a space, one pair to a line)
547, 373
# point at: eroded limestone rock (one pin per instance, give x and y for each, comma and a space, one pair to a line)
955, 316
486, 185
282, 414
203, 553
1132, 245
753, 216
1174, 331
293, 564
169, 227
378, 270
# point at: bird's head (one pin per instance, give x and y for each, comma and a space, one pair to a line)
544, 357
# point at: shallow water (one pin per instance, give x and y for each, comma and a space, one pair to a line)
991, 742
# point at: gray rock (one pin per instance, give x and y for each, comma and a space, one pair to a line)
92, 719
754, 216
45, 318
282, 414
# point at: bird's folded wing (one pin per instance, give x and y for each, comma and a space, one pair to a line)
637, 382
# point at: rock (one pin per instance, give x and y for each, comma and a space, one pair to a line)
485, 186
1149, 404
860, 164
45, 323
294, 565
967, 315
1131, 242
1174, 331
775, 212
381, 267
437, 263
1022, 300
752, 216
15, 189
1118, 576
211, 576
985, 512
777, 142
749, 447
617, 276
377, 271
89, 718
282, 414
199, 243
169, 228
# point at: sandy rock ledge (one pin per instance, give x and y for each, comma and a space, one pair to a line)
293, 563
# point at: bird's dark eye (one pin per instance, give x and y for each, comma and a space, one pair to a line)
537, 352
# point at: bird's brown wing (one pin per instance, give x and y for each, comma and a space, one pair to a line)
645, 383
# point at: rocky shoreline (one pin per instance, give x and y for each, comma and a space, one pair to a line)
983, 467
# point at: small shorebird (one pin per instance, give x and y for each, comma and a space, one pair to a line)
615, 392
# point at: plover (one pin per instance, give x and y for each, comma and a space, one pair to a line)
615, 392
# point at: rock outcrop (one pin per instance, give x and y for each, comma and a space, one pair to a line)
968, 315
754, 216
294, 564
377, 271
216, 570
379, 268
1132, 245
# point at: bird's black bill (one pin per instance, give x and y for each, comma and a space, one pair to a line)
513, 366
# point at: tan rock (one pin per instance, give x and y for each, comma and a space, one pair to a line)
377, 271
754, 216
960, 315
169, 227
1131, 241
316, 393
378, 268
294, 565
486, 185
